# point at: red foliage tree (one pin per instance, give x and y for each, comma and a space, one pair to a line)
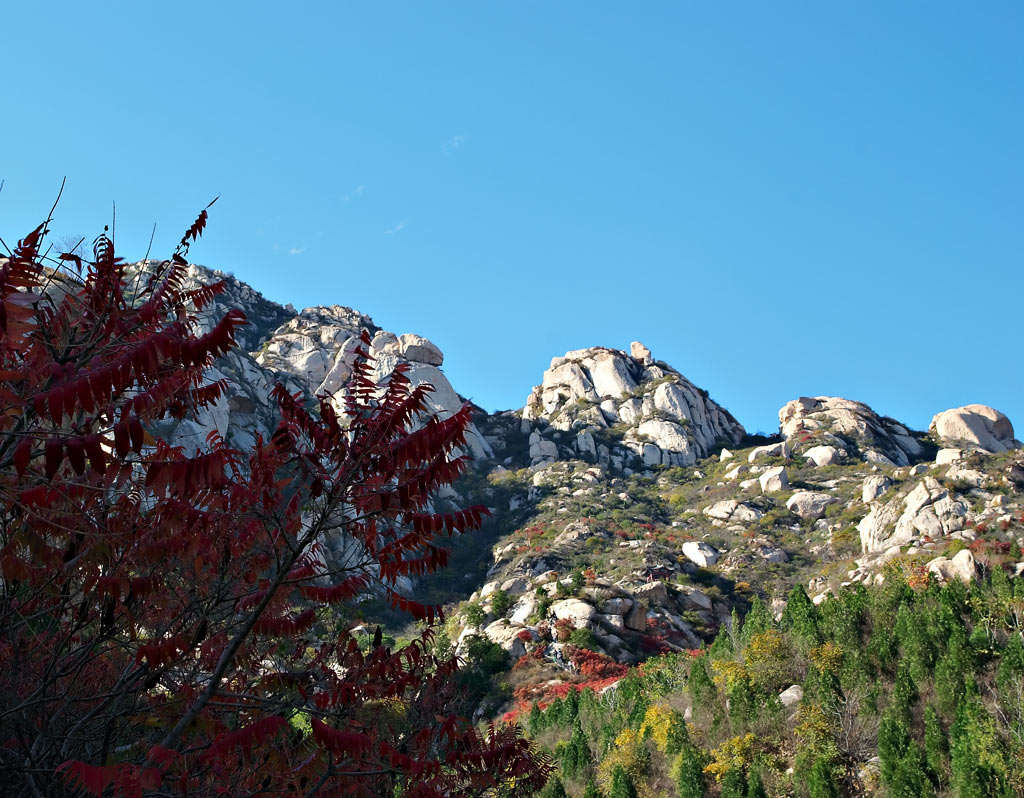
168, 624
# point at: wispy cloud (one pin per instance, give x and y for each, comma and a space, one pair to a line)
296, 250
398, 228
354, 194
454, 143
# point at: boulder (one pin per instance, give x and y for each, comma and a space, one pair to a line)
979, 426
506, 635
780, 449
419, 349
700, 553
810, 505
947, 456
823, 456
874, 486
655, 593
774, 480
579, 612
640, 352
524, 608
961, 566
730, 510
791, 696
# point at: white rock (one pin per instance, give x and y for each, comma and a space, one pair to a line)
772, 450
823, 455
700, 553
640, 352
946, 456
507, 636
419, 349
737, 471
725, 455
774, 480
579, 612
874, 486
733, 511
810, 504
962, 566
978, 425
791, 696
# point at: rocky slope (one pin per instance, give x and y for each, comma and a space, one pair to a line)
632, 509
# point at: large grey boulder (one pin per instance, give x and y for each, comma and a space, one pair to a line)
810, 505
774, 480
961, 566
700, 553
730, 510
978, 426
579, 612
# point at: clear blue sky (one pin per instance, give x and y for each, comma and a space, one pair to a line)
779, 199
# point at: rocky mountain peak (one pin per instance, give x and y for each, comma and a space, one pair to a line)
821, 422
626, 411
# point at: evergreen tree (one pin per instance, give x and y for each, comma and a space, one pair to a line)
553, 789
576, 756
800, 618
821, 782
910, 779
976, 759
535, 722
936, 750
677, 736
622, 784
702, 688
755, 787
592, 791
722, 648
1011, 664
690, 773
733, 783
758, 620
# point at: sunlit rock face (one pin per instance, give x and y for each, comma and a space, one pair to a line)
623, 410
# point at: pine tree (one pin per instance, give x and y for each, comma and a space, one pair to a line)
936, 749
690, 773
1011, 665
553, 789
702, 689
756, 621
755, 787
800, 618
622, 784
576, 757
592, 791
908, 778
733, 783
821, 782
677, 736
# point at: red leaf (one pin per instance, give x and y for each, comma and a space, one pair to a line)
54, 456
22, 455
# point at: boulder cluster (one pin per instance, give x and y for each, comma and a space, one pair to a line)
622, 410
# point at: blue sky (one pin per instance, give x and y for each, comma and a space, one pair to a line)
779, 199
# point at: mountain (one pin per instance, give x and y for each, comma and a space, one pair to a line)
633, 517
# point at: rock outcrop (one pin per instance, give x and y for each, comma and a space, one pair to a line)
976, 426
928, 510
623, 411
812, 422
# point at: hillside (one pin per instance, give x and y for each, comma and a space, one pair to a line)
635, 523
